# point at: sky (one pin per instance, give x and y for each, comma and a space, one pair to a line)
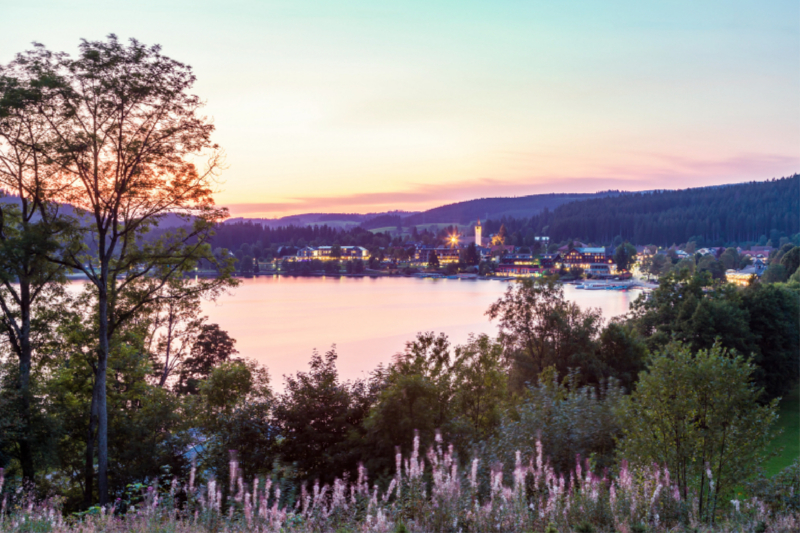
367, 106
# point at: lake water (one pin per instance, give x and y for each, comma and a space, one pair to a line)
279, 321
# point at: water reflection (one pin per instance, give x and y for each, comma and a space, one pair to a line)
278, 321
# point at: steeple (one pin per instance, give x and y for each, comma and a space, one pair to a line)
478, 231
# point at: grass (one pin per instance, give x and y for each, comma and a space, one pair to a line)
789, 440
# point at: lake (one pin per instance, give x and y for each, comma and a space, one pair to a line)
279, 321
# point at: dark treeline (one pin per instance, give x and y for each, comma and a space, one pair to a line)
730, 215
232, 236
747, 212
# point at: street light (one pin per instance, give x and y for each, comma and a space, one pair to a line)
454, 240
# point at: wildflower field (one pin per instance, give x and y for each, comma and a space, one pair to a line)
430, 493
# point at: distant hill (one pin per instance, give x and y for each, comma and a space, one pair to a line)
342, 220
730, 213
482, 208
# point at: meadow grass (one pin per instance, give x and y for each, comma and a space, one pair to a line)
789, 441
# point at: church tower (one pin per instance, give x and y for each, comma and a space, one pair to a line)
478, 230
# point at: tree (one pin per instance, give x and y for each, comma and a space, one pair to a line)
774, 313
246, 265
212, 347
470, 255
708, 263
658, 263
30, 230
479, 389
126, 131
540, 328
317, 415
730, 258
414, 395
622, 353
698, 413
233, 411
791, 260
775, 273
624, 256
568, 419
433, 261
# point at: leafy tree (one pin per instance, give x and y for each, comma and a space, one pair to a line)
540, 328
317, 416
775, 273
31, 228
624, 256
699, 414
415, 395
730, 258
479, 388
433, 261
708, 264
246, 265
694, 309
212, 346
698, 311
567, 418
791, 260
126, 132
774, 323
233, 412
622, 354
470, 255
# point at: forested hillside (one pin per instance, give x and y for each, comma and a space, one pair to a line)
730, 213
471, 210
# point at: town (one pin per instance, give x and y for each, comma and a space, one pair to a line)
468, 254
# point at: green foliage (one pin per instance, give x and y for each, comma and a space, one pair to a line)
775, 273
415, 395
625, 256
698, 413
790, 260
569, 420
781, 493
212, 347
480, 387
622, 353
317, 416
540, 328
760, 320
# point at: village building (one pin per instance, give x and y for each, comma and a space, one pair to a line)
746, 275
595, 262
325, 253
445, 254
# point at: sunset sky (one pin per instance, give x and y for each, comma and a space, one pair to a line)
362, 106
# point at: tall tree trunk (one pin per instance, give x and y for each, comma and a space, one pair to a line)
25, 357
100, 387
88, 472
25, 447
